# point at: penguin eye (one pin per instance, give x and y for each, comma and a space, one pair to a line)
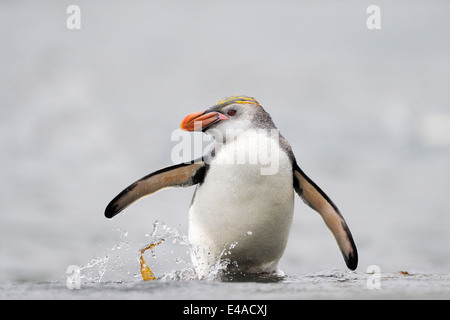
231, 112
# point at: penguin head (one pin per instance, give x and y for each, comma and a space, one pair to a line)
234, 114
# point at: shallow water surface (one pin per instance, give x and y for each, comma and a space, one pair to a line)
320, 285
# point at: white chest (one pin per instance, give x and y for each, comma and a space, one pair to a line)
246, 200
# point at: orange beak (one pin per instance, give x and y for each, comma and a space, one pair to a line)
199, 121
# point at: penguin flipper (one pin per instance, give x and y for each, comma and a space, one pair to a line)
314, 197
180, 175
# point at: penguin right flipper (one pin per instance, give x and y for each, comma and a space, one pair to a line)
180, 175
314, 197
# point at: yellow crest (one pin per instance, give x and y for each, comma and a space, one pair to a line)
235, 99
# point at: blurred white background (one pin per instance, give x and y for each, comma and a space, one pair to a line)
83, 113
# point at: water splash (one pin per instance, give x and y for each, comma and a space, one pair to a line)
95, 269
170, 260
182, 267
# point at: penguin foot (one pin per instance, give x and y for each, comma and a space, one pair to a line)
146, 273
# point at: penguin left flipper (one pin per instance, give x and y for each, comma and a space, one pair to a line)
180, 175
314, 197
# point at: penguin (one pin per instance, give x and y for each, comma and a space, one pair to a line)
242, 208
